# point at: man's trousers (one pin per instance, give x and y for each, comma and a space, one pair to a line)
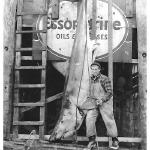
106, 111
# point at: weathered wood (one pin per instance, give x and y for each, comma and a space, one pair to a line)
16, 91
29, 85
43, 76
17, 73
52, 98
94, 17
22, 123
29, 67
110, 42
26, 58
142, 59
8, 30
129, 8
110, 48
31, 31
29, 104
48, 100
30, 49
83, 138
9, 145
55, 10
32, 13
43, 145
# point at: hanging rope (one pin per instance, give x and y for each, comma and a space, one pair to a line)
82, 69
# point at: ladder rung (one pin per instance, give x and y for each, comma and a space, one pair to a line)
40, 104
29, 67
29, 49
29, 85
32, 13
28, 123
26, 58
31, 31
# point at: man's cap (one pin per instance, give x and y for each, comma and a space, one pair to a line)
96, 63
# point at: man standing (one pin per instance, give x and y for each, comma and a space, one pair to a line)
100, 99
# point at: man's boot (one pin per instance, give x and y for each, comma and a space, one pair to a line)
115, 143
92, 143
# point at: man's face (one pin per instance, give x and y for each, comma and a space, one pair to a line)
95, 70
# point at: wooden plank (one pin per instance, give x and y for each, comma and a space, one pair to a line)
32, 13
9, 145
30, 49
110, 49
94, 17
43, 145
27, 123
43, 77
134, 61
82, 138
52, 98
129, 8
16, 91
17, 73
9, 10
141, 17
29, 85
110, 40
29, 67
48, 100
26, 58
31, 31
28, 104
55, 10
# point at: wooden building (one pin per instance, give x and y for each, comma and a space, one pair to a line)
33, 86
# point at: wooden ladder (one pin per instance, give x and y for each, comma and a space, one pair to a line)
18, 67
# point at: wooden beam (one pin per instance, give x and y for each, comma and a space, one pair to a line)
27, 123
48, 100
29, 104
94, 17
141, 18
129, 8
82, 138
29, 85
55, 9
52, 98
9, 28
110, 42
110, 48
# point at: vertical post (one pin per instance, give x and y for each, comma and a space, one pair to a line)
9, 28
55, 10
129, 8
17, 63
110, 43
141, 18
43, 77
94, 17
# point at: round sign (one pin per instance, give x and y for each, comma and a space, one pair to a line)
61, 32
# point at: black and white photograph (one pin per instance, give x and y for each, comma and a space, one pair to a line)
75, 75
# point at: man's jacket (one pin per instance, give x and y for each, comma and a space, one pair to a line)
100, 88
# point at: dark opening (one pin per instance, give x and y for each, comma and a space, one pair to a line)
134, 44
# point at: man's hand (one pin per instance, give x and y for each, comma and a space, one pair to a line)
99, 102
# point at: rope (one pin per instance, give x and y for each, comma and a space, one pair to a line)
82, 70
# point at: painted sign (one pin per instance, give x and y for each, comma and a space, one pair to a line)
61, 32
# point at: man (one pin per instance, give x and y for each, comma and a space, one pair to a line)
100, 100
